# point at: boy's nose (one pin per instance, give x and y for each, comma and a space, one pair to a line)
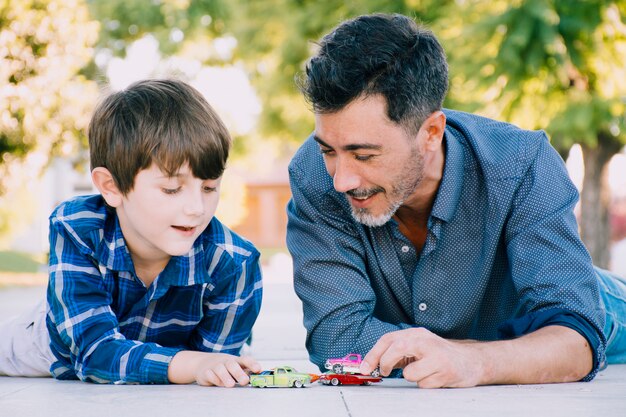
194, 205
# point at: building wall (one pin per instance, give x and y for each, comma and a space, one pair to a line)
265, 223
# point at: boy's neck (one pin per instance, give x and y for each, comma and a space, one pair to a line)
147, 270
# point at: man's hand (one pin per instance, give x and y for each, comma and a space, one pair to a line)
211, 369
427, 359
549, 354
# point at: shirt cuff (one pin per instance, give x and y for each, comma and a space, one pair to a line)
154, 366
556, 316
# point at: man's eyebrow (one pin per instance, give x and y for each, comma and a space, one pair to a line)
321, 142
350, 147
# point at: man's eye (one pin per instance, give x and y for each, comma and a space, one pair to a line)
171, 190
363, 157
326, 151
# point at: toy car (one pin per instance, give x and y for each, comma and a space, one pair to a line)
330, 378
281, 376
349, 363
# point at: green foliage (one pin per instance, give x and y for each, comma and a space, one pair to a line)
44, 101
276, 37
172, 22
544, 64
19, 262
43, 44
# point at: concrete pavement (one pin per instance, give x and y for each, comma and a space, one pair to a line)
278, 339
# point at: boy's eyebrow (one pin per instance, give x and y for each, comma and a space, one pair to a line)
351, 146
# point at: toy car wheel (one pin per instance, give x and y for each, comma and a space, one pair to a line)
334, 382
261, 385
298, 384
338, 368
367, 383
376, 373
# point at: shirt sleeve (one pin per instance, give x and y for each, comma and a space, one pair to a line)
80, 304
528, 323
330, 277
230, 310
550, 266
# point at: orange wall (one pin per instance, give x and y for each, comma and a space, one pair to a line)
265, 223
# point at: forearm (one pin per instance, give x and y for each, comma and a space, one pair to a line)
550, 354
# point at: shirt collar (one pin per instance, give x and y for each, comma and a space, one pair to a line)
113, 252
447, 199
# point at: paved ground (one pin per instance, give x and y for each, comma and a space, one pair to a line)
278, 340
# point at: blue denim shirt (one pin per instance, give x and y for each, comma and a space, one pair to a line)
107, 327
502, 255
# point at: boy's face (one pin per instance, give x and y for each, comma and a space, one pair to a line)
162, 216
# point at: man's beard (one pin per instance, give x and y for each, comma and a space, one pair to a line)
405, 186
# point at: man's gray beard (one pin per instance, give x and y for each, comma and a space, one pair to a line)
365, 217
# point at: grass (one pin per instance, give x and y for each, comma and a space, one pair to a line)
11, 261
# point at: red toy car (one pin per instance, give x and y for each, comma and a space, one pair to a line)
347, 379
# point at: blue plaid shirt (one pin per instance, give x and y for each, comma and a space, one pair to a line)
502, 255
107, 327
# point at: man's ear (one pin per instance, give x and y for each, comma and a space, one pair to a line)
104, 182
434, 127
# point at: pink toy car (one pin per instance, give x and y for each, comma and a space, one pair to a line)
349, 363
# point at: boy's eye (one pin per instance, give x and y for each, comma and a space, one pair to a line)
171, 190
208, 189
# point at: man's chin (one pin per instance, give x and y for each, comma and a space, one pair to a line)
369, 219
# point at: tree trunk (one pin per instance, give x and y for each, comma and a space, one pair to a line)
595, 228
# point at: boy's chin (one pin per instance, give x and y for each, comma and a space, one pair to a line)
179, 250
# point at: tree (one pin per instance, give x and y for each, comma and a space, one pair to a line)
555, 65
44, 100
276, 37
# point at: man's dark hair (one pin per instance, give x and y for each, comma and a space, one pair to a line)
379, 54
166, 122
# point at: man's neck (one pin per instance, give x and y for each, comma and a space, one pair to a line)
413, 215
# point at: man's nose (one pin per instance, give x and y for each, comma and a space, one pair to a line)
345, 178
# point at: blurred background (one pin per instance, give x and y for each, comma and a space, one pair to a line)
557, 65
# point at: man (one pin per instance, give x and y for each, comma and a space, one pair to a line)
437, 242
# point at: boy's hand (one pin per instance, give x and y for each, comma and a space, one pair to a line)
211, 369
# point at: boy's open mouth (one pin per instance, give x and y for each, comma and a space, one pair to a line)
183, 228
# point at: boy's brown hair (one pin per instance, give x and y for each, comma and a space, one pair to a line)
167, 122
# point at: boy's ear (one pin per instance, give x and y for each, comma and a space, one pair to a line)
104, 182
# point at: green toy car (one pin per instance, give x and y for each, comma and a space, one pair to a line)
281, 376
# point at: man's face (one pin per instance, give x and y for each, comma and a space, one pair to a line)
374, 161
162, 216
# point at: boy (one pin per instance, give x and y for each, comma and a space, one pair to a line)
146, 286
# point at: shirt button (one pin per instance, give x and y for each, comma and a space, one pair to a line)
422, 306
405, 249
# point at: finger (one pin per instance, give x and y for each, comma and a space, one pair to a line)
435, 380
372, 359
250, 363
419, 371
399, 354
224, 375
234, 369
208, 378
